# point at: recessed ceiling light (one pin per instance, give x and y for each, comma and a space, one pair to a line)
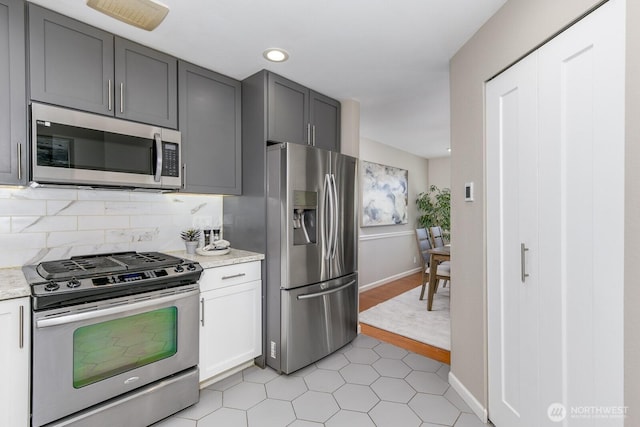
275, 55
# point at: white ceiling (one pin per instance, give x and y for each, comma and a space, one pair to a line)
392, 56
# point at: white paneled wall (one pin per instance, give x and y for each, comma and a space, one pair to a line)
39, 224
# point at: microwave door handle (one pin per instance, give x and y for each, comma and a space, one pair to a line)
158, 174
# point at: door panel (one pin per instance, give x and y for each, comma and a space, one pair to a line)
344, 261
511, 222
317, 320
581, 138
564, 326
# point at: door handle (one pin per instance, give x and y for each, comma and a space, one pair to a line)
202, 311
121, 97
109, 96
523, 266
327, 292
327, 217
158, 141
334, 222
21, 339
19, 162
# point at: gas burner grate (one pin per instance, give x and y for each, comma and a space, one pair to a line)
146, 259
78, 267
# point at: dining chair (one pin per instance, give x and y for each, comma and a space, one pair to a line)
443, 271
437, 236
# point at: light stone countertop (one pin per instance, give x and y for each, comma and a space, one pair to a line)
235, 256
14, 285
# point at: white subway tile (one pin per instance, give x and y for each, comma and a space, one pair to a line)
23, 240
102, 222
75, 207
5, 224
31, 224
13, 207
104, 195
73, 238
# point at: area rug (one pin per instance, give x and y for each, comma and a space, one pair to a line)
406, 315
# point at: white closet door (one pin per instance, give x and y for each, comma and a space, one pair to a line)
581, 122
512, 222
558, 337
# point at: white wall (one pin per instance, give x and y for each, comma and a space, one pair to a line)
517, 28
387, 253
440, 172
44, 223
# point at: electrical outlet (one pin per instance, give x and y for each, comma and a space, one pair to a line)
273, 350
415, 260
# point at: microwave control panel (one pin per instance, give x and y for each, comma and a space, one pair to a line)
170, 159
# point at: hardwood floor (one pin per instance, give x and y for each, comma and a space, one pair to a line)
387, 291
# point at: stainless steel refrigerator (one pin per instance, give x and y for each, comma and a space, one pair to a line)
312, 280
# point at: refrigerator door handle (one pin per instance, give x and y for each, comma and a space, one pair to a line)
328, 217
336, 210
327, 292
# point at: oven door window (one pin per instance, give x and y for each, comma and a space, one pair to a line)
109, 348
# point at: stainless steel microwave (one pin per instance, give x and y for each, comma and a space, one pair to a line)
75, 148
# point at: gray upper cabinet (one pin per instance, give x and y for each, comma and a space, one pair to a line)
298, 114
146, 84
288, 111
79, 66
210, 123
324, 116
13, 108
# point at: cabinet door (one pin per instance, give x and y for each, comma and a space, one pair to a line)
13, 116
288, 111
146, 85
210, 120
231, 332
71, 63
324, 115
14, 361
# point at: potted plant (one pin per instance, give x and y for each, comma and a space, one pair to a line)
191, 237
434, 209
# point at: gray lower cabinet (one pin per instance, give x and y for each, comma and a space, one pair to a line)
13, 108
300, 115
79, 66
210, 123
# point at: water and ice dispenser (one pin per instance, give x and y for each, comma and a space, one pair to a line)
305, 214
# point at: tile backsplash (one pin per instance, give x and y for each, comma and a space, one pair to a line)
40, 224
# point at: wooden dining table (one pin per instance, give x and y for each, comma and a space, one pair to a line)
436, 256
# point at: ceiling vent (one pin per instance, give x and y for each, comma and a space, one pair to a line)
145, 14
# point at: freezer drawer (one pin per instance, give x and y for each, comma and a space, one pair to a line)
317, 320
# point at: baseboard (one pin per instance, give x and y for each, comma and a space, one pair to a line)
388, 279
469, 399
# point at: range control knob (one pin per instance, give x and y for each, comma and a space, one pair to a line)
179, 269
51, 286
191, 267
73, 283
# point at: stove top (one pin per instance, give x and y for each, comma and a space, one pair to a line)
89, 278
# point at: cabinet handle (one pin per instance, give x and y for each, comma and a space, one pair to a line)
314, 134
233, 276
523, 266
202, 311
308, 133
122, 97
19, 161
21, 340
109, 96
184, 176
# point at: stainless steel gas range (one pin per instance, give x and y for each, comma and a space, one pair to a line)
115, 339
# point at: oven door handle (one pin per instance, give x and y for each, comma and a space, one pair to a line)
125, 307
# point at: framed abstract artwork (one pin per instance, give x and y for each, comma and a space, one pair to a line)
385, 193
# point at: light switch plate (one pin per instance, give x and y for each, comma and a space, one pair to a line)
468, 191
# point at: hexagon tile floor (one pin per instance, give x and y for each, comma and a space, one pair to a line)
367, 383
